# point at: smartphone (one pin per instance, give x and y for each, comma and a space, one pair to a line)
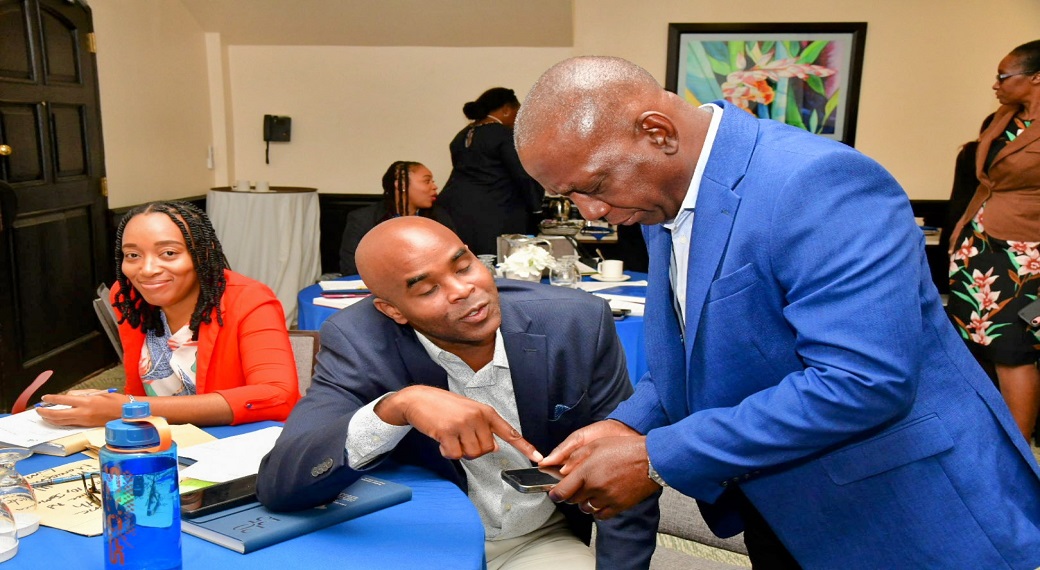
218, 497
533, 479
620, 314
1031, 314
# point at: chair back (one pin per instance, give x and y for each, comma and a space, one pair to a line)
107, 315
681, 518
305, 346
22, 401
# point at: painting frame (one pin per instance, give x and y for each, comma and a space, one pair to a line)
804, 74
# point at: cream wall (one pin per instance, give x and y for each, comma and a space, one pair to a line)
154, 100
926, 86
357, 109
927, 70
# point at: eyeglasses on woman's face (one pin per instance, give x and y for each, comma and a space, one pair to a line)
1002, 76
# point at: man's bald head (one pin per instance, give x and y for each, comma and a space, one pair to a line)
580, 95
602, 131
384, 249
423, 276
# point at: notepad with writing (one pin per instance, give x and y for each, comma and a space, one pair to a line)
251, 527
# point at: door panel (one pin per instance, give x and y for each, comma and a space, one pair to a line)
21, 127
70, 149
59, 242
61, 40
52, 213
16, 61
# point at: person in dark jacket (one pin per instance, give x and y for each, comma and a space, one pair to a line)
489, 193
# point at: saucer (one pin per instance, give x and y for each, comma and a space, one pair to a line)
599, 277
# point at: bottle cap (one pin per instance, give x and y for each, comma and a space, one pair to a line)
136, 410
123, 434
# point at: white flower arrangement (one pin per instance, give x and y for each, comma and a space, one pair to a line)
528, 262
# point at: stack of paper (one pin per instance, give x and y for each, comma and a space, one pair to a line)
338, 302
28, 429
229, 458
345, 286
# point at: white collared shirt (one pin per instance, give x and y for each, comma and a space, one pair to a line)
681, 227
505, 512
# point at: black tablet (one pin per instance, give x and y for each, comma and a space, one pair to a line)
218, 497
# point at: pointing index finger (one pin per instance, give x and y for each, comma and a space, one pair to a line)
510, 435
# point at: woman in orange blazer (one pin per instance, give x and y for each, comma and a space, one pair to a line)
995, 249
202, 344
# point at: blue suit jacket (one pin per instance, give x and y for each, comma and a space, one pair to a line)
568, 371
819, 372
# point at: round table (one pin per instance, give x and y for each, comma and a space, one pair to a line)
629, 329
438, 528
272, 237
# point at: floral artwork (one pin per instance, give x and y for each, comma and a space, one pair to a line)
805, 75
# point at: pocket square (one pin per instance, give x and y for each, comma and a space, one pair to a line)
561, 409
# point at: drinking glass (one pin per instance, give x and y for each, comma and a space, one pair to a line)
15, 490
16, 494
565, 273
489, 261
8, 533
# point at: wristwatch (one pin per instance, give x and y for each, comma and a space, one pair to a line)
653, 474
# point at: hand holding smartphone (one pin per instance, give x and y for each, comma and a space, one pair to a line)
532, 479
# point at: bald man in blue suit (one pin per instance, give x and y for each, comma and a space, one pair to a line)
804, 382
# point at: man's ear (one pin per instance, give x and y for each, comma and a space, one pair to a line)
390, 311
661, 131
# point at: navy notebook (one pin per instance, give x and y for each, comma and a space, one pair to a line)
251, 527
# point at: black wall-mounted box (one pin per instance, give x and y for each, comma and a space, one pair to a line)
277, 128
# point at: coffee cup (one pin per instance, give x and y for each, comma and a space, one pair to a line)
262, 186
612, 269
241, 186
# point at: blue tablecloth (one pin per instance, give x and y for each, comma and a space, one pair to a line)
438, 528
629, 329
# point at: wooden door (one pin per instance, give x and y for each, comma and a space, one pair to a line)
53, 250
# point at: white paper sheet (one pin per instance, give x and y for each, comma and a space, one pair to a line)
28, 429
591, 286
337, 302
342, 285
229, 458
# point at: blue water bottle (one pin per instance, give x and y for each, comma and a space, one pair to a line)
139, 496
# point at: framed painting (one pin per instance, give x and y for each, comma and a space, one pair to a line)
805, 75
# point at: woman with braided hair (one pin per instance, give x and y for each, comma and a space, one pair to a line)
408, 190
202, 344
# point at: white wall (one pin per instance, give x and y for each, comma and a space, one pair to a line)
355, 110
928, 66
154, 100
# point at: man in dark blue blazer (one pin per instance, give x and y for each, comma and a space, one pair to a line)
436, 365
804, 382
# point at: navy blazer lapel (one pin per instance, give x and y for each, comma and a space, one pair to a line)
664, 345
529, 369
421, 368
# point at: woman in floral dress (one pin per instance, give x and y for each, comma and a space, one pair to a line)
995, 248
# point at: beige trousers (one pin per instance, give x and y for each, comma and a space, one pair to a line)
550, 547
